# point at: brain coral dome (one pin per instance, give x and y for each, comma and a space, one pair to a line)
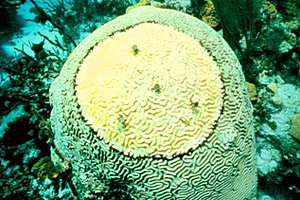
156, 100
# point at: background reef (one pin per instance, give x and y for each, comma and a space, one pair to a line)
37, 37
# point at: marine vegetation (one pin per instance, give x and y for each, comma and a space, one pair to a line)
254, 28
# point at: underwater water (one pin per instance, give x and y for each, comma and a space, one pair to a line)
37, 37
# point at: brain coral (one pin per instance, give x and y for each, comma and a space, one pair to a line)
155, 100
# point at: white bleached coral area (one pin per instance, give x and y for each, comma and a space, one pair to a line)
282, 113
268, 160
277, 154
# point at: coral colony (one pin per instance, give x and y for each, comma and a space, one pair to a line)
149, 99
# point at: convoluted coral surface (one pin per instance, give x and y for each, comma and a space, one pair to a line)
160, 99
156, 100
